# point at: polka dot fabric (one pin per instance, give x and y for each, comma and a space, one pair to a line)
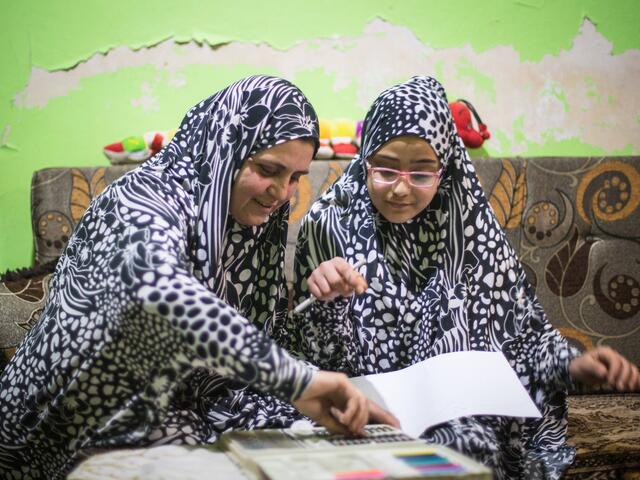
445, 281
159, 304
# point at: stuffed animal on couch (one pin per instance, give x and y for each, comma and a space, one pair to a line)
462, 112
137, 149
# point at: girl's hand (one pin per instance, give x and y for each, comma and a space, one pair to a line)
335, 277
603, 365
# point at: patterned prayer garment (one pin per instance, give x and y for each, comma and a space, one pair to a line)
447, 280
159, 303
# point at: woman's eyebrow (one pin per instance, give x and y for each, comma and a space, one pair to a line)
280, 166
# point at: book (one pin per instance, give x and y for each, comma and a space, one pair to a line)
315, 454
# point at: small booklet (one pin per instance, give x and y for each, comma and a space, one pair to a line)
315, 454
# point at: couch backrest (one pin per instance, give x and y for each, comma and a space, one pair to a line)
574, 222
59, 197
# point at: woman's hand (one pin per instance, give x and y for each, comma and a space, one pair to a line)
333, 402
335, 277
603, 365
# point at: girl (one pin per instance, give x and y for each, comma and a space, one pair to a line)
443, 278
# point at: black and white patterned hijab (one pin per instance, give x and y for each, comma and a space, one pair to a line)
214, 139
446, 280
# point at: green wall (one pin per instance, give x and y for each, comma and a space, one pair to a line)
57, 39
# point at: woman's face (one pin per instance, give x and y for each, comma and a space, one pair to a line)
267, 180
400, 201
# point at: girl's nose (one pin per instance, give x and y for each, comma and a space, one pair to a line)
401, 187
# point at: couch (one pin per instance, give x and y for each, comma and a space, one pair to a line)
574, 222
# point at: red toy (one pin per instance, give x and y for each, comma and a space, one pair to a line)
461, 111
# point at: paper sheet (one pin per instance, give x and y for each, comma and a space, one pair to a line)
449, 386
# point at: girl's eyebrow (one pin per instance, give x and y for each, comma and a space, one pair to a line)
389, 157
429, 161
384, 156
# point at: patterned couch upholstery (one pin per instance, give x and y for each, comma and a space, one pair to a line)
574, 221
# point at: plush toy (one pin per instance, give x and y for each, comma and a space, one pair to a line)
359, 125
462, 111
137, 149
343, 133
325, 150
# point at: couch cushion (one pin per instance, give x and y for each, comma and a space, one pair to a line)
575, 224
59, 197
21, 301
322, 174
605, 429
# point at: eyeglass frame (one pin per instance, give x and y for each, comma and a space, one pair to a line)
404, 173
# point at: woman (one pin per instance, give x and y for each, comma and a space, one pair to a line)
164, 292
443, 278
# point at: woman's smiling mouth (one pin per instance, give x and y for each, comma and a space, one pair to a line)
265, 206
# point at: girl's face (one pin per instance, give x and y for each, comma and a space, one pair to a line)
400, 201
267, 180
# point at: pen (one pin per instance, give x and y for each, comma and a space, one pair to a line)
302, 306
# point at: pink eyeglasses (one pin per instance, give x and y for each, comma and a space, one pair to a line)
389, 176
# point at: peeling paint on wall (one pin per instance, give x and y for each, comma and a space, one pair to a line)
572, 95
147, 100
4, 141
5, 135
